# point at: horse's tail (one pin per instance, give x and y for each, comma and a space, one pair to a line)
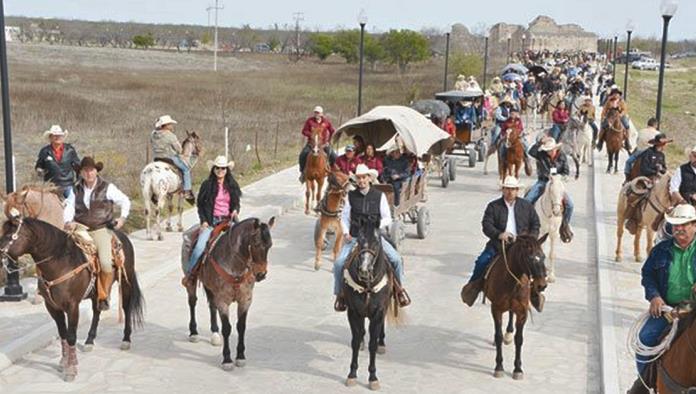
395, 316
136, 301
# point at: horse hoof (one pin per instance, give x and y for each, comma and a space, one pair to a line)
69, 377
37, 299
350, 382
317, 266
362, 345
87, 347
374, 385
498, 373
215, 339
193, 338
381, 349
507, 338
551, 278
180, 229
240, 362
125, 345
228, 366
618, 258
160, 237
639, 259
518, 375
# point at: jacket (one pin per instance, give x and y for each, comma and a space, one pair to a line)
545, 164
400, 167
59, 173
206, 199
324, 128
652, 163
619, 104
101, 209
346, 165
560, 116
655, 271
373, 163
495, 220
164, 144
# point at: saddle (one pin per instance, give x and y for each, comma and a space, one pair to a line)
637, 196
218, 231
169, 161
85, 243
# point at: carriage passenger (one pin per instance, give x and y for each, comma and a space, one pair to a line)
347, 162
682, 185
317, 123
358, 145
397, 170
165, 145
56, 161
371, 160
465, 115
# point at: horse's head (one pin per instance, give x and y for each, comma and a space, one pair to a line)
192, 145
259, 245
614, 119
531, 249
370, 248
314, 143
556, 191
339, 182
16, 238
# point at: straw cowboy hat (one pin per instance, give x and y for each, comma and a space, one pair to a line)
55, 130
681, 214
164, 120
507, 99
221, 162
461, 77
88, 162
511, 182
549, 145
318, 109
660, 139
362, 169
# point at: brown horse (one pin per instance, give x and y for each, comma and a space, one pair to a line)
66, 277
228, 272
512, 278
514, 154
329, 215
315, 171
36, 202
614, 135
677, 369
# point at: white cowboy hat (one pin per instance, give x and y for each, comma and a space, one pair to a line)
693, 150
319, 109
55, 130
220, 161
511, 182
549, 145
681, 214
362, 169
164, 120
461, 77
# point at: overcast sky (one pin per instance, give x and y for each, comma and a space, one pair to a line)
605, 17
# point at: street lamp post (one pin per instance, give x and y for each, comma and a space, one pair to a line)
613, 59
629, 30
362, 20
524, 43
668, 8
444, 85
13, 289
509, 54
485, 60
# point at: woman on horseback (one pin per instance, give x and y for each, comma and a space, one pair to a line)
561, 117
218, 201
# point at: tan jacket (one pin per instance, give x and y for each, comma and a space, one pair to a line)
589, 110
620, 104
164, 144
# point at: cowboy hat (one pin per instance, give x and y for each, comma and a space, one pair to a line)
164, 120
681, 214
220, 161
88, 162
549, 145
507, 99
461, 77
511, 182
318, 109
660, 139
55, 130
615, 91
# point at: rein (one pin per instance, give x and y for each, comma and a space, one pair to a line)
507, 266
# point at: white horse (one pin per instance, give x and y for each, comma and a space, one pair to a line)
549, 207
161, 181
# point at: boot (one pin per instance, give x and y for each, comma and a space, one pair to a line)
188, 280
106, 279
471, 290
638, 388
302, 177
538, 300
566, 232
340, 304
189, 197
625, 179
403, 298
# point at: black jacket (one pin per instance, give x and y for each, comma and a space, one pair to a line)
495, 220
545, 164
59, 173
206, 198
652, 162
400, 167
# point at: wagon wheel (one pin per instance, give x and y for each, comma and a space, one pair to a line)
317, 230
396, 233
444, 176
452, 168
472, 157
482, 150
423, 225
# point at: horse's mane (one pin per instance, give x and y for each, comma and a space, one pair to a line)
58, 242
45, 187
523, 243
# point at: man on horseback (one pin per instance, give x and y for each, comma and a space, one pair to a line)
669, 278
644, 137
361, 206
92, 205
166, 146
501, 115
587, 109
317, 124
503, 220
56, 161
550, 159
682, 185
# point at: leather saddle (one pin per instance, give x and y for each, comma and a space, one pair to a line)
218, 231
169, 161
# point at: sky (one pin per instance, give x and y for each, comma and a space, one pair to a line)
604, 17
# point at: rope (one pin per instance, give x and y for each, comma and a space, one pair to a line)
636, 346
507, 266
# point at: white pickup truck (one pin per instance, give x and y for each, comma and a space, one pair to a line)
645, 64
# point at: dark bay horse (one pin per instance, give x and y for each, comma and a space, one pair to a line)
512, 278
238, 259
66, 278
677, 369
614, 135
368, 291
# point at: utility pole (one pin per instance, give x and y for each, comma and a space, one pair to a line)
215, 49
298, 17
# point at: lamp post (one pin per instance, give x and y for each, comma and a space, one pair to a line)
444, 85
613, 59
524, 43
13, 289
362, 20
485, 60
509, 55
668, 9
629, 30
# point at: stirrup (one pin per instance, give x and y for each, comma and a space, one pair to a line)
340, 304
403, 298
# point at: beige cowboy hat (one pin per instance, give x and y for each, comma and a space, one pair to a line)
221, 162
507, 99
681, 214
461, 77
511, 182
55, 130
362, 169
660, 139
164, 120
318, 109
549, 145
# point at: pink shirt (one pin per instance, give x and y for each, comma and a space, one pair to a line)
222, 202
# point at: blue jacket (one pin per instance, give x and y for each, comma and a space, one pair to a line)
655, 272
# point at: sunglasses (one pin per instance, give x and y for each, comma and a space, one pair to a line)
220, 168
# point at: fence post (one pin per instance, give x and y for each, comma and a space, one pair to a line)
227, 145
275, 146
256, 146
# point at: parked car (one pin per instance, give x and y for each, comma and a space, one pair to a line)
645, 64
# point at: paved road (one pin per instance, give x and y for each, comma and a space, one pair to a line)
295, 342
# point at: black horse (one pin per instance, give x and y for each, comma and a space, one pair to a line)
368, 291
66, 278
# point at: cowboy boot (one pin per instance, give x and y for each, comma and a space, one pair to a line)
471, 290
340, 304
106, 279
189, 197
566, 232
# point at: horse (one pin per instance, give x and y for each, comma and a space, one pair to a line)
368, 291
549, 208
514, 155
66, 277
577, 142
315, 171
530, 102
676, 369
549, 102
509, 284
228, 272
37, 202
614, 136
329, 215
657, 203
161, 181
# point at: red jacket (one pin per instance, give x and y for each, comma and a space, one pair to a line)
515, 124
325, 129
345, 165
560, 116
373, 163
450, 128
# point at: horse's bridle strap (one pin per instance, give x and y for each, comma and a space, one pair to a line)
234, 280
74, 272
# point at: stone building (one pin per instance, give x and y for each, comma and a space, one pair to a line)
543, 33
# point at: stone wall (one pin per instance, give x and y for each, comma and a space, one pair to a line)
543, 33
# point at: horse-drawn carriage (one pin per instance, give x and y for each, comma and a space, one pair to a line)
390, 126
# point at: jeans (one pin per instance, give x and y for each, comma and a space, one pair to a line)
650, 335
595, 130
392, 256
67, 192
631, 159
201, 243
556, 131
494, 134
185, 171
307, 149
537, 190
482, 263
397, 185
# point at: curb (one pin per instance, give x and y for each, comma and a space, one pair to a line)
46, 333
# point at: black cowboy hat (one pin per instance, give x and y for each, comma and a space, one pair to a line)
616, 90
88, 162
660, 139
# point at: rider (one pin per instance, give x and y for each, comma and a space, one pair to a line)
529, 87
165, 145
502, 113
397, 169
361, 205
669, 278
682, 185
560, 117
644, 137
652, 160
56, 161
500, 225
587, 109
614, 101
218, 201
347, 162
317, 123
92, 205
551, 159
